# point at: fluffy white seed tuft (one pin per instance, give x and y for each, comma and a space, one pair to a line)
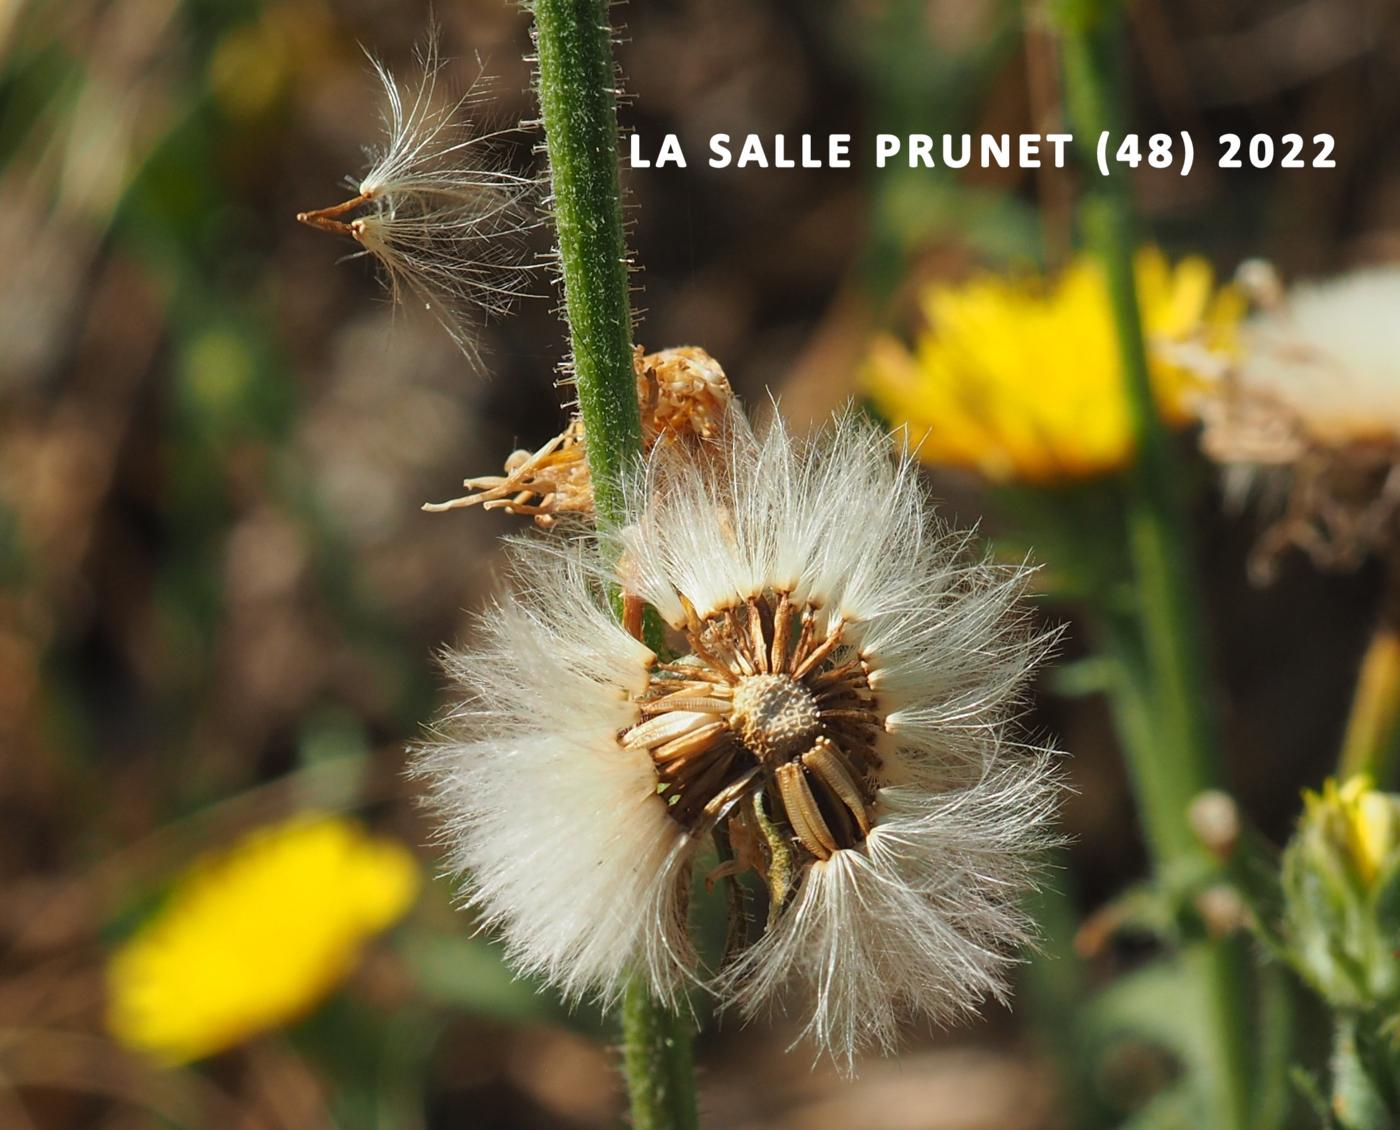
438, 213
840, 703
1307, 421
567, 849
917, 924
1329, 353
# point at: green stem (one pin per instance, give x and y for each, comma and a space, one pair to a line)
576, 81
577, 105
656, 1062
1162, 795
1157, 530
1180, 758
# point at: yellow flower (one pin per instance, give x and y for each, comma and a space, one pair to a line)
1019, 379
254, 936
1359, 821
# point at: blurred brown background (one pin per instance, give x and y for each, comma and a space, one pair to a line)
219, 600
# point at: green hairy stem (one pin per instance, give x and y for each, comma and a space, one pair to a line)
580, 123
656, 1062
577, 105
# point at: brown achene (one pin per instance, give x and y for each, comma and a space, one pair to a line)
766, 704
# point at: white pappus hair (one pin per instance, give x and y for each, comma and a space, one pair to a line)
437, 211
1306, 421
566, 846
835, 705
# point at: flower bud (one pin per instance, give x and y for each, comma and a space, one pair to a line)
1341, 877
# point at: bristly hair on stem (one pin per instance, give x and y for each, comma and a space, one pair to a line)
576, 78
438, 211
575, 83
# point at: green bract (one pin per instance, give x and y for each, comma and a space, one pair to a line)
1341, 877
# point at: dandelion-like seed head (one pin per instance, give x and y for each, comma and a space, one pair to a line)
832, 708
769, 691
436, 212
1308, 418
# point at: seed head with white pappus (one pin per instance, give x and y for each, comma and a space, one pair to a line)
1308, 416
436, 212
833, 707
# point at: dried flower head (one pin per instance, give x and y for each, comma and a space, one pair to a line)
437, 213
1309, 417
832, 710
684, 395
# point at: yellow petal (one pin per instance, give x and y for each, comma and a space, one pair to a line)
253, 937
1018, 378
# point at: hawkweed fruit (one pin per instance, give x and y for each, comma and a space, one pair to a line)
834, 707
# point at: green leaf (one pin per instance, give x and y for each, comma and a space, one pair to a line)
1149, 1003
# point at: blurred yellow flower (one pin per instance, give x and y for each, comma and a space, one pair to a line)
254, 936
1019, 379
1360, 822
